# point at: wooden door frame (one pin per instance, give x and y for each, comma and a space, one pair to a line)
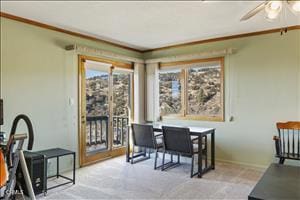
83, 159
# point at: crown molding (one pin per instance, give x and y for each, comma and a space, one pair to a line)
50, 27
54, 28
289, 28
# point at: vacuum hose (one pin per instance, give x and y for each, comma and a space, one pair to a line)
29, 127
12, 134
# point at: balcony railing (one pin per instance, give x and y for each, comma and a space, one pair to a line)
97, 131
120, 128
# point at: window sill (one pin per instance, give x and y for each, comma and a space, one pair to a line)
193, 117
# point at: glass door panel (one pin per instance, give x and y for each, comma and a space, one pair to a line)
97, 110
121, 106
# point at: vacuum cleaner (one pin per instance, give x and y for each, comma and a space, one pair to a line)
14, 156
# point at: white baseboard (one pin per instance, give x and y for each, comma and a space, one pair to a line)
262, 167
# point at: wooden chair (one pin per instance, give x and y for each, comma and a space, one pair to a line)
287, 143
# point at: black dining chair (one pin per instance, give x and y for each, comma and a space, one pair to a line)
144, 137
178, 141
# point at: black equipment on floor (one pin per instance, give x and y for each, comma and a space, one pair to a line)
35, 164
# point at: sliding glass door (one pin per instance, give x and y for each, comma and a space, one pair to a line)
105, 109
122, 81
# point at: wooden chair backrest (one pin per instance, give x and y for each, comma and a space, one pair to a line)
293, 125
289, 138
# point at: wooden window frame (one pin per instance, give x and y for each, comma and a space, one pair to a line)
184, 96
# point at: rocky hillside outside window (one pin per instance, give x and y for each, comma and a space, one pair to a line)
170, 92
192, 89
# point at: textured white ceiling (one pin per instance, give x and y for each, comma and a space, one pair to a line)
147, 25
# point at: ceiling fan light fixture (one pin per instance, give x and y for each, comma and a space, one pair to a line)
275, 5
273, 9
295, 5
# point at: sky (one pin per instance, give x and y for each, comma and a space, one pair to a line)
91, 73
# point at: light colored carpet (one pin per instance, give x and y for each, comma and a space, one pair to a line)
116, 179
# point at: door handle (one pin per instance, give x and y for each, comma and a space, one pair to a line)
83, 119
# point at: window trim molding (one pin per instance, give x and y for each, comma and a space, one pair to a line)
116, 64
185, 62
183, 115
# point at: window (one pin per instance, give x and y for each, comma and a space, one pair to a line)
170, 92
192, 89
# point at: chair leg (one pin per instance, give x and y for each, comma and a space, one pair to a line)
132, 154
192, 167
171, 157
281, 161
205, 152
155, 161
163, 162
178, 158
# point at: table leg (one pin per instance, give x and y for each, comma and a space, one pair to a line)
74, 166
213, 149
200, 156
128, 146
45, 175
205, 145
57, 167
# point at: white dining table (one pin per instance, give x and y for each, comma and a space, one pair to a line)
201, 133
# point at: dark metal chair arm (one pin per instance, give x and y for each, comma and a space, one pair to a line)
195, 139
158, 135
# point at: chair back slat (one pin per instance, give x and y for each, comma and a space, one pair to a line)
289, 136
298, 143
293, 142
177, 139
143, 135
288, 141
283, 141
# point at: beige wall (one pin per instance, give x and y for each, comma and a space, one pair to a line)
39, 77
262, 87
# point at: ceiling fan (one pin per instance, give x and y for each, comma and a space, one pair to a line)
273, 9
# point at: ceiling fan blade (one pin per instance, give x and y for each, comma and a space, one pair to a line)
253, 12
